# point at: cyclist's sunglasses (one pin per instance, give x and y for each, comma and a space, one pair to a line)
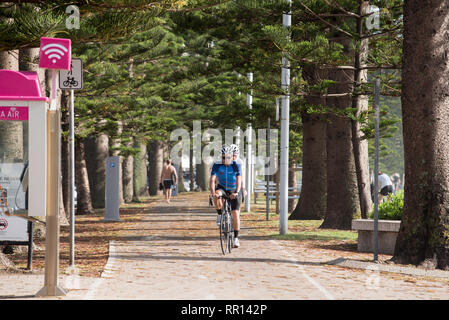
226, 157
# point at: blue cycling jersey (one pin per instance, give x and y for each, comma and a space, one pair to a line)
227, 175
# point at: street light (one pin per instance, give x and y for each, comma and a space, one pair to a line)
285, 128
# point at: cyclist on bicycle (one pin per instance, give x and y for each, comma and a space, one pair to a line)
228, 176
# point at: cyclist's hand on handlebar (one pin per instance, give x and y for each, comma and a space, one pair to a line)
233, 195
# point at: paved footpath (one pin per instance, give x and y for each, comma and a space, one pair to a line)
181, 259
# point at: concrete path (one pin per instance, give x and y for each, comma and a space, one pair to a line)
180, 258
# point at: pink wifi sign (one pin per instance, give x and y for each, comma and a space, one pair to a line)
55, 53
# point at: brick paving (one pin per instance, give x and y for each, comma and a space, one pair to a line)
180, 258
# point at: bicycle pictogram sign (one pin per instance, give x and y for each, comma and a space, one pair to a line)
72, 79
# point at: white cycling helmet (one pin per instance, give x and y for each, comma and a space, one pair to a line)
226, 150
235, 148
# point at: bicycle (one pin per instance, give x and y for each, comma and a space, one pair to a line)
70, 82
226, 227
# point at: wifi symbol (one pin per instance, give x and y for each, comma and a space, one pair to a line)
54, 51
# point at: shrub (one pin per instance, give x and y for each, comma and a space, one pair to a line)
391, 210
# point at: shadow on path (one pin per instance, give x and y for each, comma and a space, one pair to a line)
17, 297
149, 257
187, 238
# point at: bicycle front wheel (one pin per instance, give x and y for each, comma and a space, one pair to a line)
223, 234
230, 233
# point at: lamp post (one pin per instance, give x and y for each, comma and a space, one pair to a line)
285, 128
249, 151
376, 167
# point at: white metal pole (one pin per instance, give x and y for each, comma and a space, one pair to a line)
267, 176
285, 113
72, 177
54, 76
376, 168
249, 103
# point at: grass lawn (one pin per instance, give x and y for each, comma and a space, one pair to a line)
297, 229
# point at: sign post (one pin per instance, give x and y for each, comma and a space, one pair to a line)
55, 54
72, 80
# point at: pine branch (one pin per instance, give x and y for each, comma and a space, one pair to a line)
338, 6
323, 20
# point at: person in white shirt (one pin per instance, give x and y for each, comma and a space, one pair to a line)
235, 156
385, 186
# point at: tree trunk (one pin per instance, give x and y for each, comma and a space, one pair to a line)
115, 144
292, 182
192, 176
65, 150
9, 60
97, 152
312, 201
83, 202
140, 172
342, 192
202, 176
29, 61
360, 103
424, 234
156, 159
181, 187
12, 139
127, 178
11, 132
63, 221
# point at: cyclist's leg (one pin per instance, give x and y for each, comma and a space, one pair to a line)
235, 206
236, 219
218, 202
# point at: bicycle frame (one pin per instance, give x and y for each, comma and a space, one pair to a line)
226, 227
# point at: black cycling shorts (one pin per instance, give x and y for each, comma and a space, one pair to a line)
235, 203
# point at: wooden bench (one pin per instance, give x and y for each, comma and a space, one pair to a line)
387, 233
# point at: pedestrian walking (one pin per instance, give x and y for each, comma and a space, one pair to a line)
169, 178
